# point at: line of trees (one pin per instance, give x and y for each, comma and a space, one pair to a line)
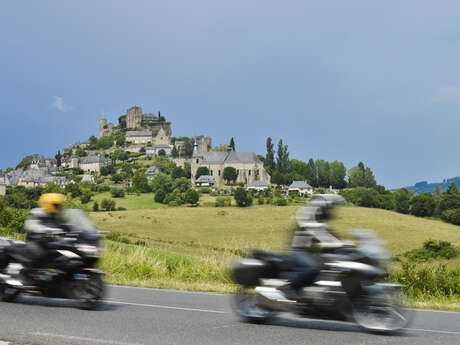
317, 173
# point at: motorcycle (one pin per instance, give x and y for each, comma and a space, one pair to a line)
69, 272
349, 287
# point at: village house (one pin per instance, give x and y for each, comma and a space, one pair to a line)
248, 166
300, 187
139, 137
205, 181
257, 186
92, 163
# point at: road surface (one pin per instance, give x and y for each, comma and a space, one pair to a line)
151, 316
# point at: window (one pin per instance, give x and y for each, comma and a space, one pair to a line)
219, 172
249, 172
211, 172
197, 161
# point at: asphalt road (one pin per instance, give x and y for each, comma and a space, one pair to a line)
150, 316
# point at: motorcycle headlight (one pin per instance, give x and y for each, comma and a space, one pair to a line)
88, 250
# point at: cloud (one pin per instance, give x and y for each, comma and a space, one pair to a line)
59, 104
448, 95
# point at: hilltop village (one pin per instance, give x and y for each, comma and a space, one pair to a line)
138, 138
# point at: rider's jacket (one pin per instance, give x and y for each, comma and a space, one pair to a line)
40, 225
311, 233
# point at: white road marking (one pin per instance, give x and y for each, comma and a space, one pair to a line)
93, 340
167, 307
431, 331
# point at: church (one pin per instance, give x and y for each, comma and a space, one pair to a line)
248, 166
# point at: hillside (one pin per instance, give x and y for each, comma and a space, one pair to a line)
424, 186
192, 248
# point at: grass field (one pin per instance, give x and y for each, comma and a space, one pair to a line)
192, 247
131, 201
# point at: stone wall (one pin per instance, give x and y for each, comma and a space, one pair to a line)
2, 189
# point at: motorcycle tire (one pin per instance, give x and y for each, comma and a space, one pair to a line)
381, 313
90, 292
245, 306
8, 294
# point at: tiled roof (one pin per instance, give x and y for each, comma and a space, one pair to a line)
132, 134
300, 185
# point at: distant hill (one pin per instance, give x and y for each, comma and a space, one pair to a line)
424, 186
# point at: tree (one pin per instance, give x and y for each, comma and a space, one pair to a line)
402, 198
270, 156
282, 157
95, 206
422, 205
312, 173
162, 153
323, 171
230, 174
108, 204
73, 189
242, 197
191, 196
177, 172
337, 175
221, 148
181, 185
116, 178
174, 152
452, 189
361, 176
437, 191
25, 163
201, 171
232, 144
369, 179
162, 182
58, 158
140, 182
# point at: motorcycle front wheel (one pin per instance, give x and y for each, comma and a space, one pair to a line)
89, 292
244, 304
381, 312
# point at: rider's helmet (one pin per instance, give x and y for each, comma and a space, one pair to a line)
324, 204
52, 203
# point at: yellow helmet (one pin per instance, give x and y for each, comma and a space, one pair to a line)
52, 203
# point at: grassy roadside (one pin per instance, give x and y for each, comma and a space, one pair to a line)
192, 248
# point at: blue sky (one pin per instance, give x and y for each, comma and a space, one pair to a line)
377, 82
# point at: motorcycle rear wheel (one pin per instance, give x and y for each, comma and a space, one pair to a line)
8, 294
244, 304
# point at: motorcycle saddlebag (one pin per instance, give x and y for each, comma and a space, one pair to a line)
247, 271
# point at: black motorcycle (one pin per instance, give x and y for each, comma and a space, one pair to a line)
69, 272
349, 287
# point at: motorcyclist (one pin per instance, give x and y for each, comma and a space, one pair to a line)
311, 236
43, 227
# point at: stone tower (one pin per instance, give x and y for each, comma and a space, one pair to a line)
102, 127
134, 117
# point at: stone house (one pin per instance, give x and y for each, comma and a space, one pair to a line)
248, 166
139, 137
301, 187
92, 163
152, 172
205, 181
257, 186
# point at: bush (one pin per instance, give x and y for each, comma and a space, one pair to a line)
117, 193
205, 190
451, 216
160, 196
108, 205
191, 196
281, 201
85, 197
433, 250
260, 199
223, 201
242, 197
95, 206
422, 205
423, 281
102, 189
